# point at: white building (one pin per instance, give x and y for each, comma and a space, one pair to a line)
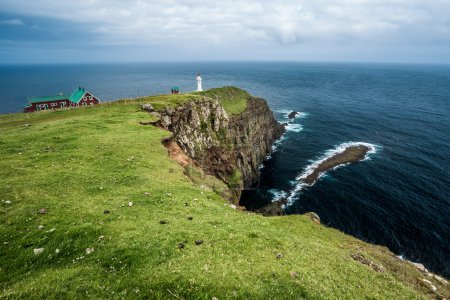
199, 83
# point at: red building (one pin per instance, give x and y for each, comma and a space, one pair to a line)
80, 97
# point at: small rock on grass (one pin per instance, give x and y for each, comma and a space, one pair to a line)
41, 227
106, 211
43, 211
90, 250
190, 218
279, 255
180, 245
314, 217
198, 242
420, 267
440, 279
293, 274
130, 204
162, 222
38, 251
430, 285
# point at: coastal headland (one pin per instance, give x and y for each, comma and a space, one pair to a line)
112, 201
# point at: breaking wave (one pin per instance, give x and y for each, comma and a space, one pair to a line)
294, 127
277, 194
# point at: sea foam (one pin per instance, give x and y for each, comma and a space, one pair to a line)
277, 194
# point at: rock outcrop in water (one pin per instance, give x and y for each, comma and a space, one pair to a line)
293, 114
230, 147
349, 155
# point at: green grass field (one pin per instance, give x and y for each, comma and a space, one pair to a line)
78, 163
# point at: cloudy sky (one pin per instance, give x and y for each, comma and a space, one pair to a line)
55, 31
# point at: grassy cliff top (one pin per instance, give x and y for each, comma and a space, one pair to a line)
233, 99
85, 166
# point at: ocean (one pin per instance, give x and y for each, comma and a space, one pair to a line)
399, 196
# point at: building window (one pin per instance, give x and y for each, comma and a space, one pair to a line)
84, 104
63, 104
90, 97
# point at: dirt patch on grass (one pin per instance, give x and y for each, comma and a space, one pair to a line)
176, 153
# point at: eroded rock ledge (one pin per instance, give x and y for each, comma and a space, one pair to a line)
228, 147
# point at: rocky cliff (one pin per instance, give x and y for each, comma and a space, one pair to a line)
228, 146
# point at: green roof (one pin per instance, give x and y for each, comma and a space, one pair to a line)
47, 98
77, 95
175, 88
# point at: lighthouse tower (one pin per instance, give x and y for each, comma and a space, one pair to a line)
199, 83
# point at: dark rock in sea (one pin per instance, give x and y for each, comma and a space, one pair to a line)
162, 222
273, 209
198, 242
349, 155
292, 114
106, 211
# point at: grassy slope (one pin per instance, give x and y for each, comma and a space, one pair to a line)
79, 163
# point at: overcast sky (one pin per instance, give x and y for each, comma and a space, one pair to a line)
43, 31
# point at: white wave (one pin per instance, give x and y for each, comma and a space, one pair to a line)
294, 127
276, 145
294, 193
277, 194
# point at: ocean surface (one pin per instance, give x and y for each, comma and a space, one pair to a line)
399, 196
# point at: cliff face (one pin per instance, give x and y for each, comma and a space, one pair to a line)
228, 147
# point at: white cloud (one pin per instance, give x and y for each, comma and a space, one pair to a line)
12, 22
251, 24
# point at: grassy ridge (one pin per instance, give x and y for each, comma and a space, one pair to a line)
79, 163
233, 99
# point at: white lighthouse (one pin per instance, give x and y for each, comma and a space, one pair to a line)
199, 83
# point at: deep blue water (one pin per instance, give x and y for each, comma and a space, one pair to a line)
399, 197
